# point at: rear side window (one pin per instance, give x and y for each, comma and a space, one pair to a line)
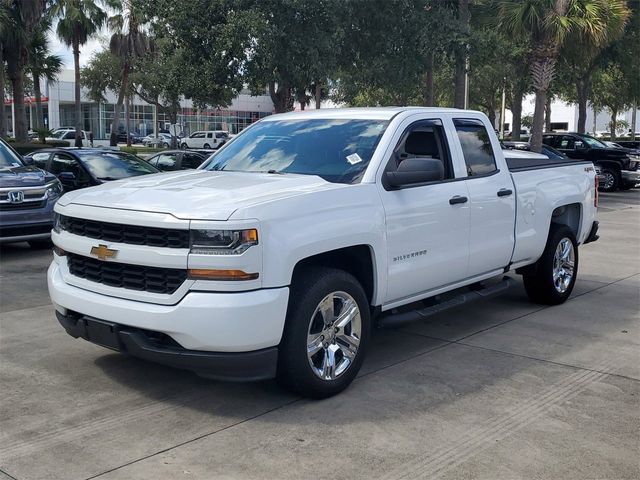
191, 160
476, 147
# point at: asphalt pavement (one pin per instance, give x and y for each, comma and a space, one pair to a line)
501, 389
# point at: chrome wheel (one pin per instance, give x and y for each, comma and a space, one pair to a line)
608, 180
334, 335
563, 265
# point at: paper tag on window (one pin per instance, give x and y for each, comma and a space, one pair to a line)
354, 158
15, 164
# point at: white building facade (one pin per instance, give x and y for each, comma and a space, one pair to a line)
59, 111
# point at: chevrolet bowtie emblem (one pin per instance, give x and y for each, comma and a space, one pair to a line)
103, 252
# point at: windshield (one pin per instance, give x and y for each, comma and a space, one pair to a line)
114, 166
8, 158
592, 142
336, 150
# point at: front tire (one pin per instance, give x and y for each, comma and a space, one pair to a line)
326, 333
184, 146
551, 279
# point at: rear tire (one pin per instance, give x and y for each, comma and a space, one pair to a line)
184, 146
206, 146
610, 180
326, 333
551, 279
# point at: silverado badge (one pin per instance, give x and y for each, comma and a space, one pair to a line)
103, 252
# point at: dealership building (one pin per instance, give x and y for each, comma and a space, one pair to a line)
59, 111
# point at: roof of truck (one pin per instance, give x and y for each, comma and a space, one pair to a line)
364, 113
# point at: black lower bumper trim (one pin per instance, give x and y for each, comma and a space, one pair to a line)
153, 346
593, 234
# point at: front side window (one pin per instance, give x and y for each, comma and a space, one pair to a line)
40, 159
337, 150
476, 147
167, 161
65, 163
197, 135
191, 160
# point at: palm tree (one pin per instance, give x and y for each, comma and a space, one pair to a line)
21, 18
42, 64
4, 19
128, 43
77, 21
546, 24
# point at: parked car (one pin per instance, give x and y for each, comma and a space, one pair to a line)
632, 144
85, 167
121, 137
27, 197
279, 255
172, 160
162, 140
70, 135
546, 150
205, 139
619, 167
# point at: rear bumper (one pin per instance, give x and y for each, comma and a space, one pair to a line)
158, 348
630, 176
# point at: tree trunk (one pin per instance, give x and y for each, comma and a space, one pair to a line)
3, 116
516, 111
318, 95
281, 97
538, 121
613, 124
547, 113
429, 93
583, 85
633, 121
113, 141
76, 65
127, 114
491, 113
38, 94
461, 58
17, 82
173, 119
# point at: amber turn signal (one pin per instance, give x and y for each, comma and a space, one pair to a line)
220, 275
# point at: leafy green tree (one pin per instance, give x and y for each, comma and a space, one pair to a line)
610, 91
129, 42
42, 64
78, 20
21, 19
101, 74
546, 24
582, 54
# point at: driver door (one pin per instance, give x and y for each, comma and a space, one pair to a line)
428, 224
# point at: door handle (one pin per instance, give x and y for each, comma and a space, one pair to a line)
504, 192
458, 199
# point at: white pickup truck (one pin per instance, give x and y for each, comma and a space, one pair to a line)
278, 256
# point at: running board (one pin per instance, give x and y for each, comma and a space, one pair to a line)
389, 319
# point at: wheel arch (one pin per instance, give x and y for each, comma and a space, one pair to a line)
358, 260
569, 215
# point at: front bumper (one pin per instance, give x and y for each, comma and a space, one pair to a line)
630, 176
204, 321
230, 366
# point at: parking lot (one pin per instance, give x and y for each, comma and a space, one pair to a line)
501, 389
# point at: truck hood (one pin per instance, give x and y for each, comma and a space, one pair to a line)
196, 194
23, 176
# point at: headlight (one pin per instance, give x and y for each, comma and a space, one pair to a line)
54, 188
222, 242
633, 165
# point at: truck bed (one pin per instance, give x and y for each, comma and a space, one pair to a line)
519, 160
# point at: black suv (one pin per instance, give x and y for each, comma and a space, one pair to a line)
618, 166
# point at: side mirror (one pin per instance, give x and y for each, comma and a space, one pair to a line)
413, 171
28, 161
68, 179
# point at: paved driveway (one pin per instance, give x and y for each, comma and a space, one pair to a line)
501, 389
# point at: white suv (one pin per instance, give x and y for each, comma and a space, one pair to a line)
206, 139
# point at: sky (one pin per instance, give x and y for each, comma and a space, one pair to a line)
86, 51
